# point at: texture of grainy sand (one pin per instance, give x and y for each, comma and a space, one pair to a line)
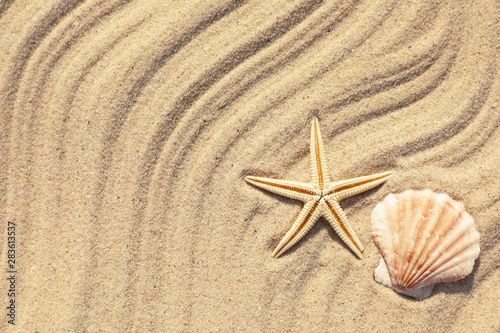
127, 129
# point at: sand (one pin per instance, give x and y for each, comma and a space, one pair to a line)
127, 129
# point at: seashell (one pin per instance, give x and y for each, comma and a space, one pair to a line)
424, 238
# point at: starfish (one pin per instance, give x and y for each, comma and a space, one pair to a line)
321, 197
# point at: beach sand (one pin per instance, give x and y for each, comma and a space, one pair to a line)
127, 129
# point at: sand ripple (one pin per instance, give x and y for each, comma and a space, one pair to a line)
128, 127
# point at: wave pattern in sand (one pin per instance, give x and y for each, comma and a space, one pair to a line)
128, 127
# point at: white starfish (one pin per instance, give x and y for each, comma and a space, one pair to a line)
321, 197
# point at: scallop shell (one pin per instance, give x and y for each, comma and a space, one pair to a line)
424, 238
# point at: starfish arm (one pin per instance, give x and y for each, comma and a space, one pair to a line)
347, 188
319, 169
336, 217
304, 222
290, 189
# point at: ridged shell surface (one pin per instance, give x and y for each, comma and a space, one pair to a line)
424, 238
